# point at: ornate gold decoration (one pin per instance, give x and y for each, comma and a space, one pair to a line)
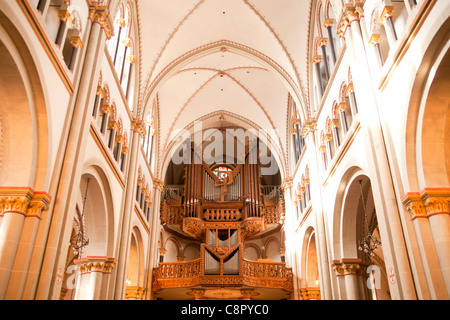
429, 202
23, 201
321, 42
95, 264
76, 42
64, 15
158, 185
252, 226
388, 12
317, 58
194, 227
287, 184
346, 267
312, 293
134, 293
253, 274
100, 14
328, 23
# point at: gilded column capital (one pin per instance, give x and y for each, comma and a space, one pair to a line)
64, 15
158, 185
375, 39
100, 14
328, 23
436, 201
346, 267
428, 202
23, 201
139, 127
317, 58
308, 127
321, 42
134, 293
287, 184
388, 11
38, 203
76, 42
95, 264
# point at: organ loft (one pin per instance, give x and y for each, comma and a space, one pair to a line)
223, 206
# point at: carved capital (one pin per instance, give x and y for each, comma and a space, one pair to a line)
286, 184
134, 293
321, 42
317, 58
95, 264
375, 39
388, 12
430, 201
100, 14
23, 201
139, 127
346, 267
158, 185
328, 23
76, 42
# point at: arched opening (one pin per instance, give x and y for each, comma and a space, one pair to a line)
23, 115
435, 128
361, 262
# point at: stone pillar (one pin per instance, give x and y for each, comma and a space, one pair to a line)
349, 269
430, 211
18, 206
60, 219
92, 272
289, 225
391, 229
130, 193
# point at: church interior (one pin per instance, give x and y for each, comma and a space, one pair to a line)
224, 150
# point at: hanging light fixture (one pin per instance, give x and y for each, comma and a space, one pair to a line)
370, 243
79, 241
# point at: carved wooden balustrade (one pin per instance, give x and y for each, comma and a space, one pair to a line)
270, 275
274, 214
171, 214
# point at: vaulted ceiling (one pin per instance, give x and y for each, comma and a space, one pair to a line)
236, 58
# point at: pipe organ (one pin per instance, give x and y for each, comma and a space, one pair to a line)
221, 206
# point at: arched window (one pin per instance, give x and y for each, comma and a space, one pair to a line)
336, 126
147, 141
298, 141
344, 108
121, 48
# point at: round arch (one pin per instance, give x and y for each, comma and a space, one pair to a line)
24, 147
427, 126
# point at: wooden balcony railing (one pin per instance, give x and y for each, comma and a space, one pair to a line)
270, 275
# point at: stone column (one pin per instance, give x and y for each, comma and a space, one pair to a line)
349, 270
128, 208
19, 273
13, 209
395, 250
92, 273
429, 211
60, 219
290, 232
